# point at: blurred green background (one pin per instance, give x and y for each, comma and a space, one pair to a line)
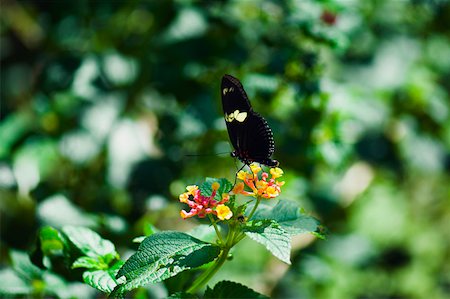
103, 102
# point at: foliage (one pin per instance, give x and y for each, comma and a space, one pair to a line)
110, 108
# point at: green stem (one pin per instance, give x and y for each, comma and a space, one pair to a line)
219, 235
206, 276
258, 200
233, 237
237, 238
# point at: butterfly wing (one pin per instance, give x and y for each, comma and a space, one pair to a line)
234, 98
258, 144
249, 132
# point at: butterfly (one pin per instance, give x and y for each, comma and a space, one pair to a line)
249, 132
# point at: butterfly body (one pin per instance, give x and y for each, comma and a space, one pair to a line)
250, 135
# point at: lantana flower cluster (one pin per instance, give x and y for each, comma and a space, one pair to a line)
260, 184
203, 205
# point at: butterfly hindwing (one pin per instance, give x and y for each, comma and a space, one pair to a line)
259, 139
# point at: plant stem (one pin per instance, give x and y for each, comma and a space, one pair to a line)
258, 200
206, 276
233, 237
237, 238
219, 235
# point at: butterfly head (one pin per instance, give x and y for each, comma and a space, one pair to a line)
244, 159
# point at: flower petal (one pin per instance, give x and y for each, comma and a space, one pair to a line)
215, 186
223, 212
276, 172
255, 167
241, 175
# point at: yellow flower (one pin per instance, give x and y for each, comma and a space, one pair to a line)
223, 212
276, 172
261, 184
255, 168
191, 189
184, 197
241, 175
183, 214
272, 191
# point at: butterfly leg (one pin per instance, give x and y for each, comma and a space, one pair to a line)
235, 176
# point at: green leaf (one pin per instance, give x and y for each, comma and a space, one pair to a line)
204, 232
272, 236
289, 216
12, 284
90, 243
149, 229
229, 289
139, 239
103, 280
88, 263
57, 287
161, 256
12, 128
52, 243
23, 266
206, 187
58, 211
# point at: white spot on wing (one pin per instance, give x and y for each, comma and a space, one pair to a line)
241, 116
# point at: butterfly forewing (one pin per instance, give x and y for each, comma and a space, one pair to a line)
234, 96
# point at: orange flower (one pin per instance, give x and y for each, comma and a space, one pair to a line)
260, 185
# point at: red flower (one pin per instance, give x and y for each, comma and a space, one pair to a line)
202, 205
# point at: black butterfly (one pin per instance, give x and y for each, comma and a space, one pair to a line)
249, 132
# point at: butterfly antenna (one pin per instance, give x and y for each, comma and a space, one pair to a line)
235, 176
203, 155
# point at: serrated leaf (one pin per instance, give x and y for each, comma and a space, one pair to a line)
164, 255
206, 187
103, 280
272, 236
289, 216
89, 242
228, 289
